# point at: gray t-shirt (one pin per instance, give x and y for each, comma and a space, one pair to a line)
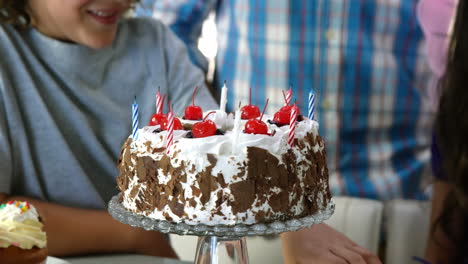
65, 109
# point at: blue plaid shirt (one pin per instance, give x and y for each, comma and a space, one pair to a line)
364, 59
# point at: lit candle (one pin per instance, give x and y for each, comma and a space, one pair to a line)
311, 105
292, 126
223, 102
135, 120
170, 129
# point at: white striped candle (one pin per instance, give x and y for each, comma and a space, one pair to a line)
292, 125
311, 105
170, 130
159, 103
135, 120
289, 96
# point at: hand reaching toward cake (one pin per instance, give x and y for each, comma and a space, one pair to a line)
321, 244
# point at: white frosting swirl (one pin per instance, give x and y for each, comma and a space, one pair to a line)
222, 119
21, 228
222, 145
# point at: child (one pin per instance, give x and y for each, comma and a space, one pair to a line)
69, 71
448, 239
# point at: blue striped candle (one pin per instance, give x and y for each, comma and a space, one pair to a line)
135, 120
311, 105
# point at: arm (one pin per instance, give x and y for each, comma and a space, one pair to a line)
72, 231
438, 245
322, 244
185, 18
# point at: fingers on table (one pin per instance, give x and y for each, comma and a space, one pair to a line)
355, 255
348, 255
368, 256
328, 258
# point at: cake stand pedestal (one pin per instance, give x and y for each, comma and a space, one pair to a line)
221, 243
226, 250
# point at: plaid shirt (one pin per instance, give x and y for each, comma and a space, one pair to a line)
364, 59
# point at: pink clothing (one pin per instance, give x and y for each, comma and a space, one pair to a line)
435, 17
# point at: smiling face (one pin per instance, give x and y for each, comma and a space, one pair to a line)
92, 23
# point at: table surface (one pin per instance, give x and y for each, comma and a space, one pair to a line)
114, 259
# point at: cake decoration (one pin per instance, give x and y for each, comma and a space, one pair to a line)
177, 125
193, 112
250, 111
205, 128
20, 226
158, 117
223, 99
159, 101
170, 130
287, 96
236, 129
311, 105
24, 206
135, 119
257, 126
292, 125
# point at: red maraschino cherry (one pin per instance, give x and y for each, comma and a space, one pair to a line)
165, 122
257, 126
158, 118
177, 124
282, 117
204, 128
288, 108
193, 112
284, 114
250, 111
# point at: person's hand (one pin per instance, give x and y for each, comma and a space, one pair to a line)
321, 244
152, 243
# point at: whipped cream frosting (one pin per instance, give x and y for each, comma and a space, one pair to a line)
225, 145
20, 226
230, 153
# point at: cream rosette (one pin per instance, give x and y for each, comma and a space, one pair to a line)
20, 226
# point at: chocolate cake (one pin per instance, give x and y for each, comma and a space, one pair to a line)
226, 178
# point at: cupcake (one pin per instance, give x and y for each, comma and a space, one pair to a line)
22, 240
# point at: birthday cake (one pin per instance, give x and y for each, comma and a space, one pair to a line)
225, 170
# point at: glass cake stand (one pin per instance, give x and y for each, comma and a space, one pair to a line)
220, 243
